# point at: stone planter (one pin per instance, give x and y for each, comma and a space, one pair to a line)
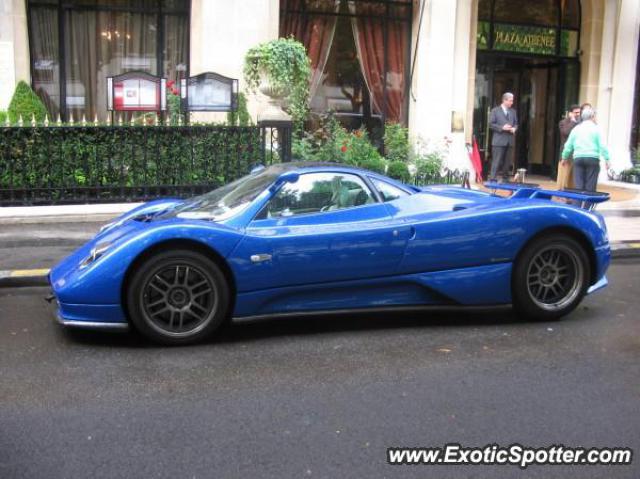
275, 101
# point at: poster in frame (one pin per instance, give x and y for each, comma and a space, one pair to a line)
136, 91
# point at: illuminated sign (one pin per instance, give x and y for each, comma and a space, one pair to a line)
136, 91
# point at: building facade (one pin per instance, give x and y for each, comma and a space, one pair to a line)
436, 66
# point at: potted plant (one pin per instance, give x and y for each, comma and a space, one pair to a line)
281, 70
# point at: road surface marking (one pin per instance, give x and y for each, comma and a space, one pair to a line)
25, 273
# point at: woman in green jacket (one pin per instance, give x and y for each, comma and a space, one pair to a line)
585, 146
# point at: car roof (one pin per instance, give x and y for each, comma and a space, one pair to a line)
312, 165
316, 166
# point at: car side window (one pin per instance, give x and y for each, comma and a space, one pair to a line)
318, 192
388, 191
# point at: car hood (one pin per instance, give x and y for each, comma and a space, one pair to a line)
141, 214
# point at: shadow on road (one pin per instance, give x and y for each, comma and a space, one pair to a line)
240, 331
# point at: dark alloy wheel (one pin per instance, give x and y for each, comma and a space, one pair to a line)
178, 297
550, 277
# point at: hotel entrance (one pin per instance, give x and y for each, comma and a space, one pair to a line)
537, 62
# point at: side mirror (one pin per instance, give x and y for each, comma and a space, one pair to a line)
289, 177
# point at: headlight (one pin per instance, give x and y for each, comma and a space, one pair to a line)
95, 253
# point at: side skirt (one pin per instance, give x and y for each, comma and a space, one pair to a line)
391, 309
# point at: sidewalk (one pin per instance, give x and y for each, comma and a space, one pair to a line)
62, 213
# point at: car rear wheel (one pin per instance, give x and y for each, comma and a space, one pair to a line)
178, 297
550, 277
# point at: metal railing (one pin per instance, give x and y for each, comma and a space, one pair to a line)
450, 177
64, 164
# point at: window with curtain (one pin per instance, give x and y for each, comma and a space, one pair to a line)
75, 45
45, 64
359, 51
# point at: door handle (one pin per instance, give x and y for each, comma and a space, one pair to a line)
259, 258
409, 233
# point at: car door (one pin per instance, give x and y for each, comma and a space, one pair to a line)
326, 227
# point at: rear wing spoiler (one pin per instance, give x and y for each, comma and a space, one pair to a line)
586, 199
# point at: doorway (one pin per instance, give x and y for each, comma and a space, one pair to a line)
542, 94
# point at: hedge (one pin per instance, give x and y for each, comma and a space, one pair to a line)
128, 156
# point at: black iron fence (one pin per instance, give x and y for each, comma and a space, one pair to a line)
71, 164
448, 177
80, 164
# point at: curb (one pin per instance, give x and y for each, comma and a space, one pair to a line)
38, 277
625, 249
23, 277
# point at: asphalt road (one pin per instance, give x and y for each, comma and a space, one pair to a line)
319, 397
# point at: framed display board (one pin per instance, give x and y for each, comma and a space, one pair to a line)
136, 91
209, 92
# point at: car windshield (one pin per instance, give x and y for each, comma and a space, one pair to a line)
229, 200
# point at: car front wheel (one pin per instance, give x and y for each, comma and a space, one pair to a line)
550, 277
178, 297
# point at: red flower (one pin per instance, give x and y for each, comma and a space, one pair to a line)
344, 148
170, 83
174, 91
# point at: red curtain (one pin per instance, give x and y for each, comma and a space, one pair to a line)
315, 32
369, 37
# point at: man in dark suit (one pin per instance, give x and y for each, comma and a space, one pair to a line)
503, 121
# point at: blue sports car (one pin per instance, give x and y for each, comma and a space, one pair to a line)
310, 238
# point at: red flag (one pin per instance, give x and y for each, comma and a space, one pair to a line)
476, 161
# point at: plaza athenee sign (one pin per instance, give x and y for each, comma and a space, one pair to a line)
526, 39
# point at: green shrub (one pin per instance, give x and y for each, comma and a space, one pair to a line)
379, 165
128, 156
357, 148
3, 117
396, 142
303, 149
328, 143
429, 165
332, 142
240, 117
25, 103
399, 171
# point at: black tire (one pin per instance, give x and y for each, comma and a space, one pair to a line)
550, 277
178, 297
